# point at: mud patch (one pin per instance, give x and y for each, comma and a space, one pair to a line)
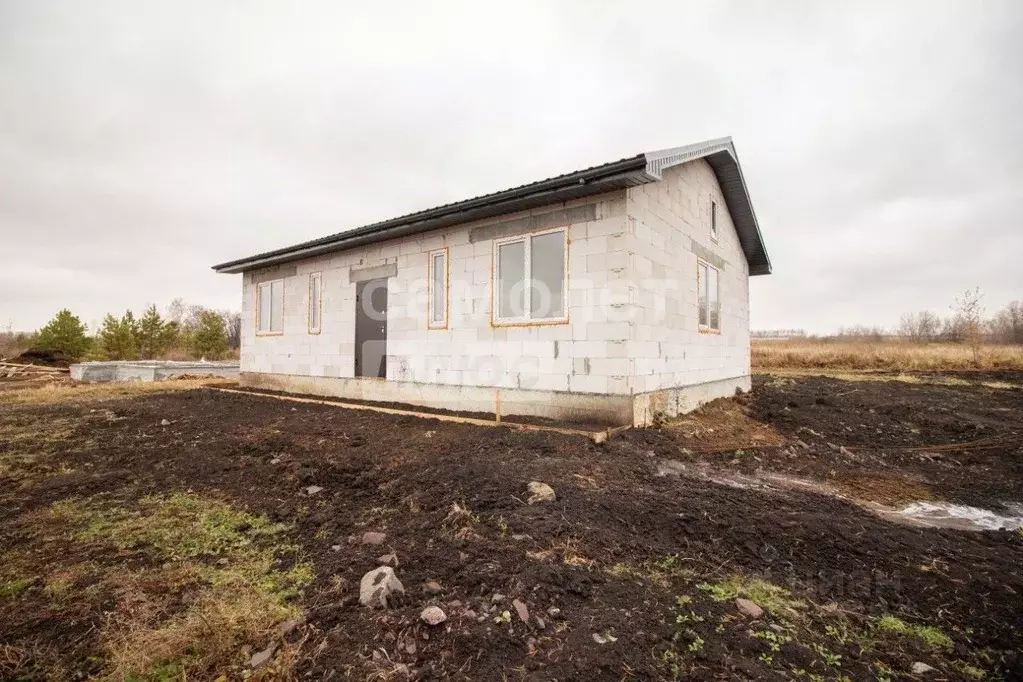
887, 490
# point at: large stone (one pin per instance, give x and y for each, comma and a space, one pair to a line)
748, 608
540, 492
263, 657
521, 609
371, 538
433, 615
380, 588
920, 668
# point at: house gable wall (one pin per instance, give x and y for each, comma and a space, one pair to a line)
670, 225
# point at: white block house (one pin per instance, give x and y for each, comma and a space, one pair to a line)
604, 295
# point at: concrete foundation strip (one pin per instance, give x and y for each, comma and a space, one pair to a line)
595, 436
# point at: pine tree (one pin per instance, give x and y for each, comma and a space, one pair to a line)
118, 338
155, 336
209, 340
66, 333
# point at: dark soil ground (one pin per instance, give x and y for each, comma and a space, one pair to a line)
628, 575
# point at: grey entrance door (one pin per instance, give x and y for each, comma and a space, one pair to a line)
371, 328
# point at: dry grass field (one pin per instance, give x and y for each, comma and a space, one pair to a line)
880, 355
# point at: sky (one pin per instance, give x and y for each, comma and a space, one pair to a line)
140, 143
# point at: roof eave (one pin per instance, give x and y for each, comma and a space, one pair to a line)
724, 160
618, 175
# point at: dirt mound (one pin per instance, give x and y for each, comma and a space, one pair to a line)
720, 426
43, 357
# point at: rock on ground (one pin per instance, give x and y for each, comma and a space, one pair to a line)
749, 608
371, 538
388, 559
540, 492
261, 658
380, 588
433, 615
920, 668
521, 609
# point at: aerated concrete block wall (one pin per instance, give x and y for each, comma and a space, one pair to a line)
671, 225
588, 355
631, 347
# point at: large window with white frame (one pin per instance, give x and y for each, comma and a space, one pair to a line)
530, 278
270, 307
315, 303
708, 294
438, 289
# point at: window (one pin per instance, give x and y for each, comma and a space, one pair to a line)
709, 299
714, 220
438, 289
270, 307
530, 278
315, 303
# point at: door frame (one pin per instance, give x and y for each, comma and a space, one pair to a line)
369, 328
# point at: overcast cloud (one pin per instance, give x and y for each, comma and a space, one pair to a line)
142, 142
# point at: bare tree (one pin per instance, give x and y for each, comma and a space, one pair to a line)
929, 325
233, 327
177, 311
909, 325
922, 327
969, 312
1007, 326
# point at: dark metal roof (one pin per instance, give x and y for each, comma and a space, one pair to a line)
628, 172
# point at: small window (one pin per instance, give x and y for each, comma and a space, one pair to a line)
270, 307
709, 298
714, 220
438, 285
315, 303
530, 274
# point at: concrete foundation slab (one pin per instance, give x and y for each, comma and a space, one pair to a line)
150, 370
604, 410
592, 408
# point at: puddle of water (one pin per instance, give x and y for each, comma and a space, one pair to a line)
947, 515
929, 514
674, 468
670, 467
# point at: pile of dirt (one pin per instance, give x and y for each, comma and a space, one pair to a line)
625, 574
43, 357
722, 426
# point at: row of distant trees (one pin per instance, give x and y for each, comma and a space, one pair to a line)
184, 331
925, 326
966, 323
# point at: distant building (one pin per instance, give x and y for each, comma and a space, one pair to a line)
778, 334
607, 294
